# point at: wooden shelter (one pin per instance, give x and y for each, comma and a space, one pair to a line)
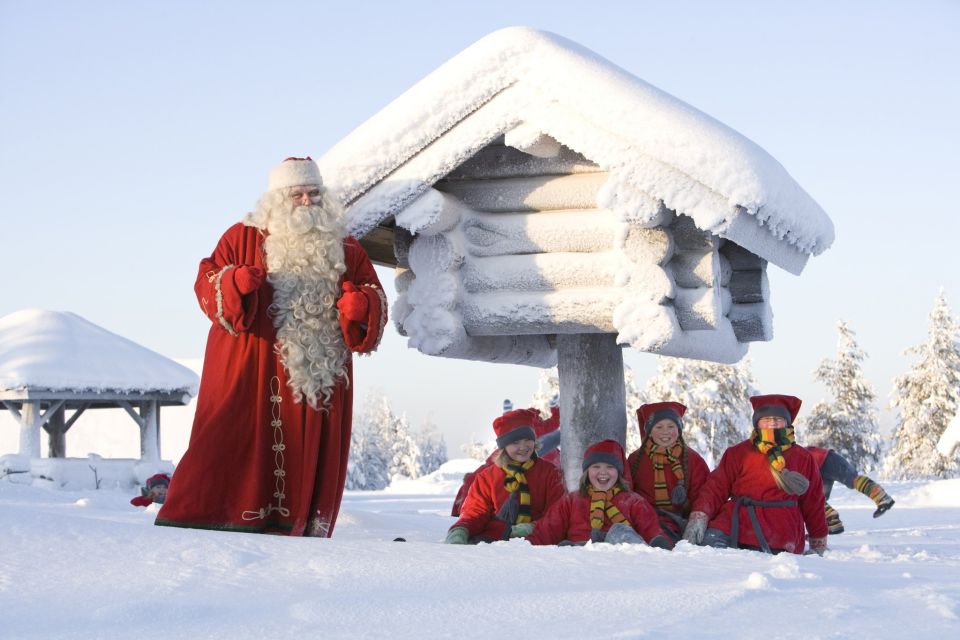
52, 363
542, 206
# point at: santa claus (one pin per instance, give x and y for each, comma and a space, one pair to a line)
290, 296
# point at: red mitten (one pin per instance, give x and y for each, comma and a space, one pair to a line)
248, 279
353, 305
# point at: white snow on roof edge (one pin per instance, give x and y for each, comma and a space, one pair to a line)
60, 351
638, 123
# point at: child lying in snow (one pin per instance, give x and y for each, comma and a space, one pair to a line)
154, 490
505, 497
836, 468
603, 510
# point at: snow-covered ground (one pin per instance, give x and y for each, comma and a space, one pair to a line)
87, 564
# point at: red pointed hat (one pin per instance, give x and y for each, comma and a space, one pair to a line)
650, 414
787, 407
608, 451
156, 479
515, 425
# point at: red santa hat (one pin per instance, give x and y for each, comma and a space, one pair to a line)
786, 407
515, 425
157, 479
294, 172
650, 414
608, 451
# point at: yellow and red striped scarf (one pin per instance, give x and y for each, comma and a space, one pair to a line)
772, 443
660, 457
516, 480
601, 504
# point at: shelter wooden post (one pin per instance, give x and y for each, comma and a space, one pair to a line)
30, 420
56, 429
150, 430
592, 397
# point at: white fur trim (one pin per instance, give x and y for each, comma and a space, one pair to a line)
293, 173
383, 315
216, 278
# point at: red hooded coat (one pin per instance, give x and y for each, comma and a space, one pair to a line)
744, 471
487, 494
641, 474
569, 519
258, 461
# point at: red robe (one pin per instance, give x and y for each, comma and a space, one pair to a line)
487, 494
569, 519
642, 482
243, 470
744, 471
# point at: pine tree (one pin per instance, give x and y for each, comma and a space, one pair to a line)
368, 465
848, 424
478, 450
433, 449
927, 399
548, 388
717, 397
634, 398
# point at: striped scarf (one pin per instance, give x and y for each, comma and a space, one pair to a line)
515, 480
601, 504
772, 443
661, 457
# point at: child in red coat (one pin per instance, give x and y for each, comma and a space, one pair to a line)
506, 497
664, 470
603, 510
154, 490
764, 491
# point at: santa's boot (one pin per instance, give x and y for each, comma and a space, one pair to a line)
834, 525
875, 492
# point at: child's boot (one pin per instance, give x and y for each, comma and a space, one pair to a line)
834, 524
875, 492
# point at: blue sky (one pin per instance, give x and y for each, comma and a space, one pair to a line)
134, 134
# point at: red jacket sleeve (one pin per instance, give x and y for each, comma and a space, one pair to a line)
699, 472
364, 337
217, 291
479, 509
552, 527
811, 502
716, 489
642, 516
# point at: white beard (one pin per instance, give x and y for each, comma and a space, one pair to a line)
304, 259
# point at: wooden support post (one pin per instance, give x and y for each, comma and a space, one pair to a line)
150, 430
30, 420
592, 397
56, 429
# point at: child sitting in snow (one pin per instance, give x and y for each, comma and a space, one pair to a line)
548, 448
664, 470
836, 468
764, 491
603, 510
154, 490
507, 496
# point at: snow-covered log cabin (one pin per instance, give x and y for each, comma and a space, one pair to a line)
529, 188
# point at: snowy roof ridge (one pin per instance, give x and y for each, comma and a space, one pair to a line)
700, 166
60, 351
